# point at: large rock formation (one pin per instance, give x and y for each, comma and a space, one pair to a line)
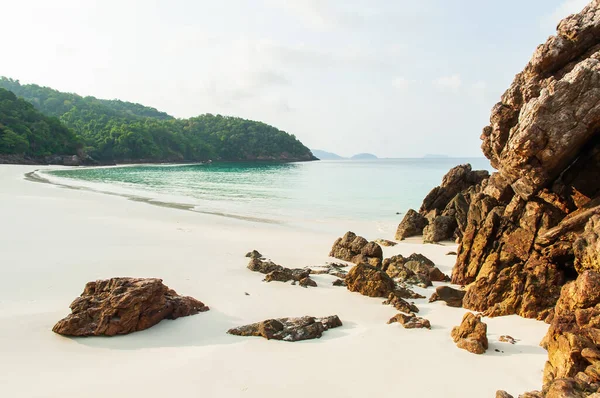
124, 305
357, 249
524, 236
443, 213
289, 329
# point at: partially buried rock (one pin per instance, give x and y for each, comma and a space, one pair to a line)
503, 394
275, 272
357, 249
124, 305
385, 242
451, 253
369, 281
289, 329
306, 282
400, 304
339, 282
471, 335
452, 297
410, 321
507, 339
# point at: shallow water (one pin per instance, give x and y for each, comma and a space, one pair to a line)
323, 193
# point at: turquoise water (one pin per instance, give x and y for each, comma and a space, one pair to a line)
323, 192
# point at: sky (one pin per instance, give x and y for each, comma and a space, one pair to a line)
397, 78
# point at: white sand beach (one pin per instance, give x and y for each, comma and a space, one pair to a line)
53, 240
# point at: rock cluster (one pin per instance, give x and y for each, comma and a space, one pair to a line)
471, 335
289, 329
357, 249
124, 305
533, 225
443, 213
278, 273
395, 299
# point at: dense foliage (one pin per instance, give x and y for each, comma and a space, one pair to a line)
123, 131
26, 131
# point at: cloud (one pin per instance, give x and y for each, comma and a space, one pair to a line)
568, 7
453, 82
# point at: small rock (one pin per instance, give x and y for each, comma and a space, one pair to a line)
451, 254
254, 254
289, 329
306, 282
503, 394
246, 293
400, 304
339, 282
451, 296
507, 339
471, 335
410, 321
385, 242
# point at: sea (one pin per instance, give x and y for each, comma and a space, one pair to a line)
372, 195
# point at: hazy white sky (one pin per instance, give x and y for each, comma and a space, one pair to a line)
397, 78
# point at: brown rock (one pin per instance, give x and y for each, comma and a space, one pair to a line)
307, 281
507, 339
587, 247
503, 394
357, 249
411, 225
339, 282
451, 296
124, 305
289, 329
385, 242
275, 272
471, 335
254, 254
410, 321
400, 304
439, 229
369, 281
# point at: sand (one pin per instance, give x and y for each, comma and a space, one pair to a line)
53, 240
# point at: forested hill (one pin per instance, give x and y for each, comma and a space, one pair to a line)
25, 131
118, 131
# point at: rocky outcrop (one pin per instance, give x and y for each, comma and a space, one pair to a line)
357, 249
124, 305
531, 227
395, 300
471, 335
452, 297
415, 269
369, 281
410, 321
443, 213
289, 329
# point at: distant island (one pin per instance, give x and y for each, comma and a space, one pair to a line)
364, 156
324, 155
43, 125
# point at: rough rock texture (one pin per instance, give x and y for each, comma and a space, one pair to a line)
471, 335
385, 242
503, 394
452, 297
524, 236
586, 247
289, 329
357, 249
369, 281
411, 225
410, 321
275, 272
415, 269
124, 305
395, 300
254, 254
443, 213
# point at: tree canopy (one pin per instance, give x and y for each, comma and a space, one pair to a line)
26, 131
113, 130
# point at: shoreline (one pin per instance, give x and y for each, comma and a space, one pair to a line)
81, 236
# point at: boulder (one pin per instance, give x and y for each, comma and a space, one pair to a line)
471, 335
439, 229
452, 297
357, 249
411, 225
124, 305
369, 281
307, 281
410, 321
289, 329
